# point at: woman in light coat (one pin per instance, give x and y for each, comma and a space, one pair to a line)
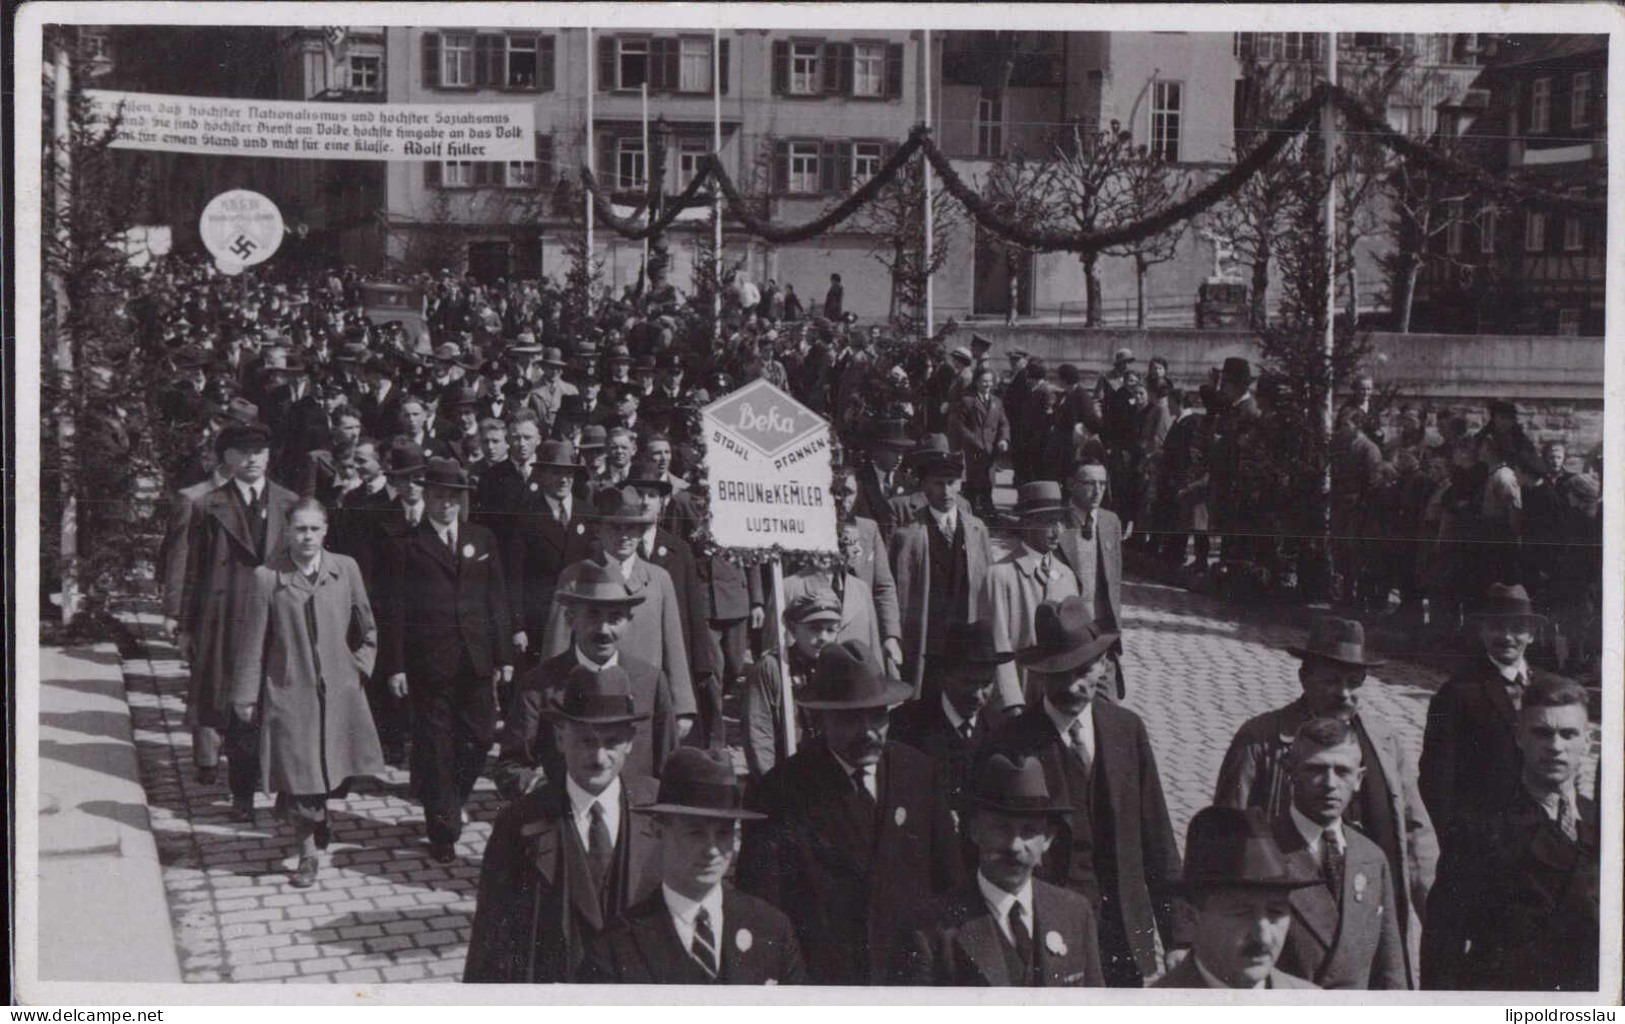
300, 673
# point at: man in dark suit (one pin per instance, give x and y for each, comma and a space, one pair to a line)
552, 535
1345, 933
1521, 912
511, 491
884, 478
1470, 764
1387, 808
446, 628
234, 530
1092, 545
1007, 928
1116, 847
697, 929
1241, 886
567, 858
857, 835
980, 429
598, 610
380, 407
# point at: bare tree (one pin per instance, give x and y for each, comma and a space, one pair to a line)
1015, 187
894, 223
1086, 193
1148, 183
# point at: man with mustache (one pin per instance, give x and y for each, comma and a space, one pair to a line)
697, 929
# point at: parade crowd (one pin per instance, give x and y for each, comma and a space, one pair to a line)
394, 546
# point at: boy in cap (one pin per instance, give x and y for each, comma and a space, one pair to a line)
1008, 927
567, 858
811, 622
697, 929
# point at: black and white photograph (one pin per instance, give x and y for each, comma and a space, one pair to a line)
864, 500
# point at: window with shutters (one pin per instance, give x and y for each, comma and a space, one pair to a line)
1540, 105
866, 160
1167, 111
1534, 233
631, 63
802, 170
521, 174
1574, 239
524, 62
1580, 99
806, 74
694, 72
869, 69
690, 158
990, 126
457, 59
457, 174
366, 72
630, 165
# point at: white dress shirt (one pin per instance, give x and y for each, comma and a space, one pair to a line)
1063, 725
683, 911
447, 534
955, 719
946, 521
250, 493
581, 803
627, 565
586, 662
999, 902
1551, 802
1314, 834
1214, 982
869, 772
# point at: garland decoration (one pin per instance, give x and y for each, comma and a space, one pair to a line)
1052, 240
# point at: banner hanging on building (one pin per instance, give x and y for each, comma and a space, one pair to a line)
319, 131
767, 462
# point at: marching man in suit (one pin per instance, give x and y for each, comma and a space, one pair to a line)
446, 647
884, 478
1007, 928
1092, 545
567, 858
1344, 934
857, 835
980, 429
1116, 846
697, 929
1257, 769
543, 544
1028, 576
1241, 886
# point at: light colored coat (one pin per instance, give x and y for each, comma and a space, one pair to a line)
1015, 588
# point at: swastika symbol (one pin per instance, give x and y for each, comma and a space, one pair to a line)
243, 247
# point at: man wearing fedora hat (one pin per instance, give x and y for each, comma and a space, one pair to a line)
1470, 764
1236, 437
697, 929
1116, 846
235, 529
446, 646
549, 392
1241, 886
656, 632
549, 535
1032, 573
1387, 808
882, 478
599, 612
858, 834
567, 858
1008, 928
939, 559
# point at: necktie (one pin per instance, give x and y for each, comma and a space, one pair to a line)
1089, 526
704, 946
1080, 742
1515, 691
1332, 857
1045, 567
1020, 934
967, 729
1566, 819
599, 848
860, 783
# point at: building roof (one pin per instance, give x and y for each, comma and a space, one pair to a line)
1519, 52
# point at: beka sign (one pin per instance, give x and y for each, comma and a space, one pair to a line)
768, 460
241, 228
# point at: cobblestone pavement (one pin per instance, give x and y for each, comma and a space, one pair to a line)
381, 911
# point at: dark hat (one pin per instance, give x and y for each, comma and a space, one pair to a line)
701, 784
1341, 640
524, 344
244, 437
571, 407
817, 604
593, 437
893, 433
447, 473
603, 697
553, 357
644, 473
242, 410
1504, 602
190, 358
1227, 848
354, 352
585, 350
1123, 355
597, 584
644, 363
620, 505
1014, 784
620, 354
557, 455
1066, 637
1503, 407
403, 458
1236, 369
932, 456
1018, 353
463, 395
843, 681
979, 342
669, 361
1039, 497
973, 644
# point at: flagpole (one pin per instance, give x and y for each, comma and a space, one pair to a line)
716, 190
592, 139
925, 167
648, 180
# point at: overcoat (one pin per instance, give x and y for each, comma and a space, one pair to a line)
875, 499
219, 583
1108, 531
958, 943
175, 550
911, 569
758, 947
1016, 585
869, 563
976, 428
316, 730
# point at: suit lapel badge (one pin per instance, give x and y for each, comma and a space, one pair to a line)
1054, 943
660, 552
533, 485
581, 528
1359, 886
900, 816
743, 940
468, 551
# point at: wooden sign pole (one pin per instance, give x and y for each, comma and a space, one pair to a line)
787, 703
